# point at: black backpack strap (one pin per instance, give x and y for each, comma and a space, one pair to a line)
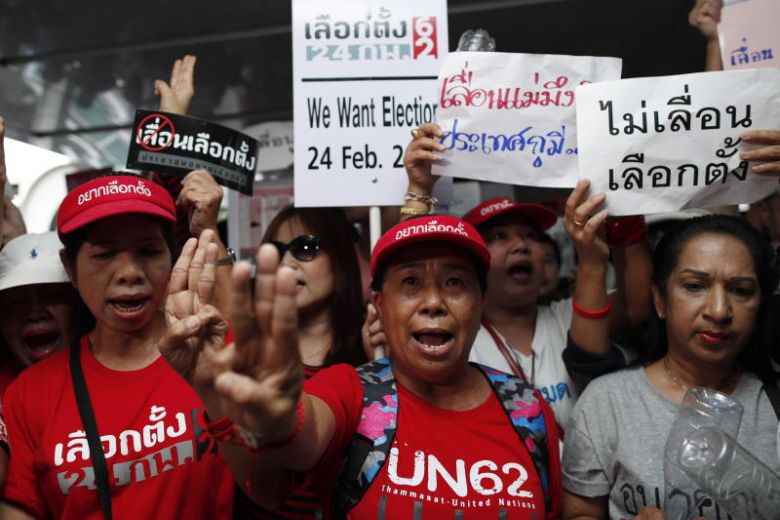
522, 405
90, 426
773, 393
373, 438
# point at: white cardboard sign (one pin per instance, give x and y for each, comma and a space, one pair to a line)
364, 75
511, 117
670, 143
748, 34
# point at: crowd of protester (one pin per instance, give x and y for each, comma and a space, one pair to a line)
144, 374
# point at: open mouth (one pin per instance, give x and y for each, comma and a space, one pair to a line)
434, 342
521, 271
129, 305
41, 343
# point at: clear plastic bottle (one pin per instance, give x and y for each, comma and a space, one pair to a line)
737, 481
476, 41
701, 407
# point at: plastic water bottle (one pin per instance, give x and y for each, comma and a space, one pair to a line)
701, 407
476, 41
737, 481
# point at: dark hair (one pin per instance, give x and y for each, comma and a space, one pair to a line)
545, 238
336, 236
755, 357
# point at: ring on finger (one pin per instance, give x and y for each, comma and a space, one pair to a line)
578, 223
415, 133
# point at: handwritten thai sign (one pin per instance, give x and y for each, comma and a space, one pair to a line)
669, 143
364, 75
748, 34
511, 118
178, 144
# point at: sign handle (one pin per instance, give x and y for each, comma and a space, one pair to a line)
375, 231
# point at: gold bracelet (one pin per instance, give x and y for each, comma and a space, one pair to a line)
428, 200
406, 212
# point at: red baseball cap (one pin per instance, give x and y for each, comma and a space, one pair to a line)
431, 228
113, 195
541, 217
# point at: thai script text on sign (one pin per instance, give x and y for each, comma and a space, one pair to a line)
510, 117
669, 143
364, 75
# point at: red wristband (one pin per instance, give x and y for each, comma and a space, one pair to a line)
624, 231
591, 315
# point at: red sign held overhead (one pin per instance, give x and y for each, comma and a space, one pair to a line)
156, 135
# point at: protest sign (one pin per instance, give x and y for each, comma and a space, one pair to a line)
364, 75
178, 144
670, 143
748, 34
511, 118
275, 142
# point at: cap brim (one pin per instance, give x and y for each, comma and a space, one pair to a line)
121, 207
33, 275
482, 254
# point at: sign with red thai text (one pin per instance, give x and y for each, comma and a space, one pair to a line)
511, 118
178, 144
748, 34
364, 75
669, 143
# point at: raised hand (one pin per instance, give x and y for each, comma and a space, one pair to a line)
582, 222
705, 17
195, 329
769, 155
262, 379
176, 96
202, 196
12, 222
374, 342
423, 150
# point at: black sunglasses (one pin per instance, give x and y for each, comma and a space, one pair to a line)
303, 248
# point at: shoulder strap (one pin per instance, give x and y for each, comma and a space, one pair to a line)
773, 393
90, 426
523, 407
373, 438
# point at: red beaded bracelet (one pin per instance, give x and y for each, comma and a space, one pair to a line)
225, 430
591, 315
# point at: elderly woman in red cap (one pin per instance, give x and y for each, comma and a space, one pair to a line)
107, 426
423, 434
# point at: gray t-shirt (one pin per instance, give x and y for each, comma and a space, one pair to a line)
615, 443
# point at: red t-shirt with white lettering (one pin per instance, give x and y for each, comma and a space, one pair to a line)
159, 464
443, 464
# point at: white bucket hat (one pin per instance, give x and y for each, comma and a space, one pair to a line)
32, 258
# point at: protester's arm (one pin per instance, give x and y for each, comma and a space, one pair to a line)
577, 507
769, 155
631, 302
176, 96
257, 380
13, 221
10, 512
582, 221
201, 198
423, 150
705, 17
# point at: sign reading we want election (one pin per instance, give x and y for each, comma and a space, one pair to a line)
510, 117
669, 143
364, 75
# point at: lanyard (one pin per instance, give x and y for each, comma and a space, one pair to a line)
517, 370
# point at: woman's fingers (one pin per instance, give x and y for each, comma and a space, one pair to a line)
284, 320
242, 305
576, 197
208, 274
265, 280
180, 272
760, 137
584, 211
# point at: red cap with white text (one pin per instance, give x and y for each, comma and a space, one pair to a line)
430, 228
113, 195
539, 216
